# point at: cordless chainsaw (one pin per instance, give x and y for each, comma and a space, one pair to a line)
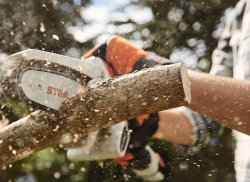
43, 80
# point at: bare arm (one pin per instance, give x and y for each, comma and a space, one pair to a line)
225, 99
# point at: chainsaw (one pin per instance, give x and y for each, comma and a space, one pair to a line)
43, 80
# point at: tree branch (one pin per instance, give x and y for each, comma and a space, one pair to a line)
122, 98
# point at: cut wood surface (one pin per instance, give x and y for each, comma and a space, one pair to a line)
104, 104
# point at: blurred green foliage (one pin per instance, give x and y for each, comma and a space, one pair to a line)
192, 26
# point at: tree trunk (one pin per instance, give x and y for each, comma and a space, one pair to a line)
122, 98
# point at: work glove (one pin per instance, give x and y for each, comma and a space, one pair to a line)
122, 57
140, 157
145, 163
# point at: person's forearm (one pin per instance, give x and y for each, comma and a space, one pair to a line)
225, 99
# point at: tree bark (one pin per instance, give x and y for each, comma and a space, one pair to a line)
104, 104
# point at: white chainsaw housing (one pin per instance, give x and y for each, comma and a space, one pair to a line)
50, 88
99, 147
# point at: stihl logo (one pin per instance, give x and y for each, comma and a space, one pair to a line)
57, 92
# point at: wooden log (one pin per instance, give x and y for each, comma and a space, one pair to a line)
104, 104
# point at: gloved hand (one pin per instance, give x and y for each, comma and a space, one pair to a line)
122, 57
140, 157
146, 164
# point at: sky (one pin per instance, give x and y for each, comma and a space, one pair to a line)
101, 12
